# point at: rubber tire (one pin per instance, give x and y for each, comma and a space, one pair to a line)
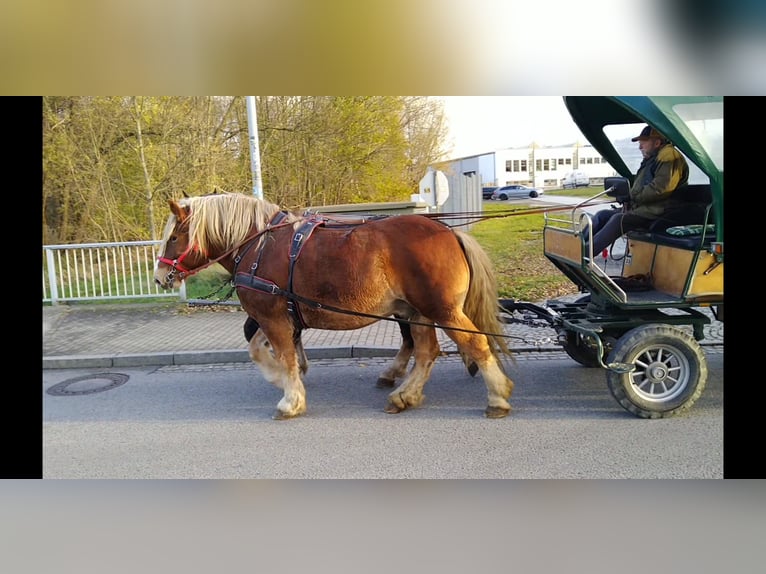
533, 194
677, 350
503, 197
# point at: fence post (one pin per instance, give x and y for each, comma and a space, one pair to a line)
52, 276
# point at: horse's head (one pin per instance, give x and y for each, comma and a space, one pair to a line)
177, 257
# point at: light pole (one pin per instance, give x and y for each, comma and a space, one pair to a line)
255, 157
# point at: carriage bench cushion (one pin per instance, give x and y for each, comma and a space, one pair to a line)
682, 236
685, 230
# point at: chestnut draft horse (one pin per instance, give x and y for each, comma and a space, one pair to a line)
293, 272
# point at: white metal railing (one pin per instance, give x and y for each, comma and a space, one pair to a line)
102, 271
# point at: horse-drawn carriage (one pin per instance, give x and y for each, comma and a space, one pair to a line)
425, 275
643, 323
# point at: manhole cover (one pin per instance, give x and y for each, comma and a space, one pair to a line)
88, 384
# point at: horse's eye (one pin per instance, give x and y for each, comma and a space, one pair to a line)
173, 238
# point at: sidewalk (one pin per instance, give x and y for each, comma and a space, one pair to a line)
122, 335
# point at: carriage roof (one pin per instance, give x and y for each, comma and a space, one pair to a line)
679, 118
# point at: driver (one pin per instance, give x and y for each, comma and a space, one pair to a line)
662, 171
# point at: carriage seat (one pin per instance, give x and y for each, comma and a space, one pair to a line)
697, 202
683, 225
684, 236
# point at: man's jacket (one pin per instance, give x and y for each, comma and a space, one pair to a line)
658, 177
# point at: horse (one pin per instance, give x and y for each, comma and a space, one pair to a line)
294, 272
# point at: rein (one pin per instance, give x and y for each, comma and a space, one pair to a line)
476, 217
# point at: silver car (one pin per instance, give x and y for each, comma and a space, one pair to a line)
518, 191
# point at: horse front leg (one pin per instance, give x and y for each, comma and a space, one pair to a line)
399, 366
279, 361
262, 348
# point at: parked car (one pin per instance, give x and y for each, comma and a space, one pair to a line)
575, 179
486, 192
508, 191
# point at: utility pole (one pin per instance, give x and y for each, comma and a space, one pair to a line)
255, 154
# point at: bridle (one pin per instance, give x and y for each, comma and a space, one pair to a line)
177, 269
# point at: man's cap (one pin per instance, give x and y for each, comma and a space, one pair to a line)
648, 133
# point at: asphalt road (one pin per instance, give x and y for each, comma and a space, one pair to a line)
214, 422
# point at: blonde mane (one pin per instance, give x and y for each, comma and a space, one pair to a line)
223, 221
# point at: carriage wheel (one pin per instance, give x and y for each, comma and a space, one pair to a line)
670, 374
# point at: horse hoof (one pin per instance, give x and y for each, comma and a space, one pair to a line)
280, 416
384, 383
392, 409
473, 368
496, 412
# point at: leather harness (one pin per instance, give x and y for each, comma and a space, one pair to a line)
249, 280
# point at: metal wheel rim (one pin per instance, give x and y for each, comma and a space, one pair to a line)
662, 373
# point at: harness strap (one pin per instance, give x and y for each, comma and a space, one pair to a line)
249, 280
255, 283
296, 246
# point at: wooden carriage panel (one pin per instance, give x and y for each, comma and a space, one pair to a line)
671, 269
640, 259
563, 244
706, 285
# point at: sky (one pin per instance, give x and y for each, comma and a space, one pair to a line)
480, 124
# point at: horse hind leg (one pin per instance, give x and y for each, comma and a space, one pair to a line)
477, 347
410, 392
398, 368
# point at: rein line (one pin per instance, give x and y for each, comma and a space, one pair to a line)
478, 216
323, 307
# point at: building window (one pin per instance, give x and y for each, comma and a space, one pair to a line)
508, 165
519, 165
538, 164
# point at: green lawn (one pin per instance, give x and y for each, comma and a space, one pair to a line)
515, 246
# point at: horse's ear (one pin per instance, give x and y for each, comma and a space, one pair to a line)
180, 212
186, 195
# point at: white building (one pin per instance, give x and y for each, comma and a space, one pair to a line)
536, 166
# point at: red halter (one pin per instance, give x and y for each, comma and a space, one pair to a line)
176, 265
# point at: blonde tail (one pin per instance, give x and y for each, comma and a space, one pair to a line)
481, 304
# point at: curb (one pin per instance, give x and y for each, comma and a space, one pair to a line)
179, 358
